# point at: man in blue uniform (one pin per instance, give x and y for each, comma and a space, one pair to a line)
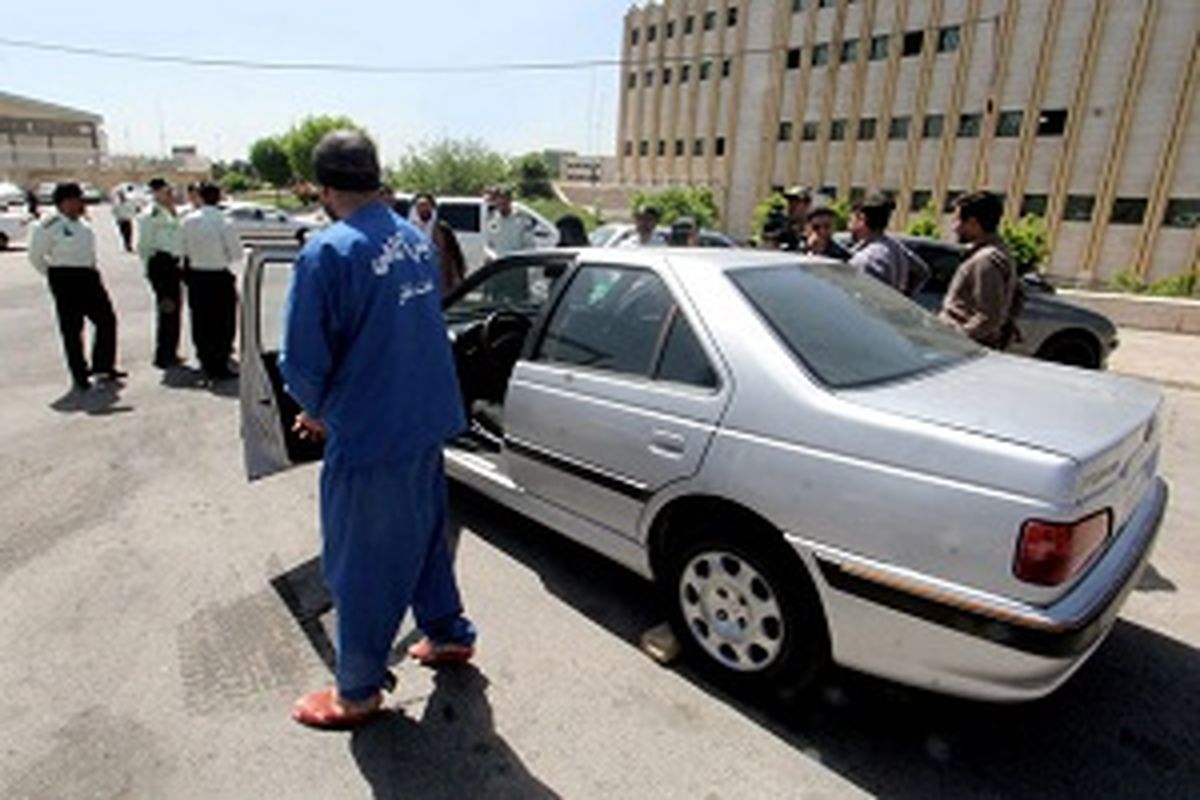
366, 355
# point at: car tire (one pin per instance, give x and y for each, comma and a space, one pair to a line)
1072, 348
744, 607
3, 241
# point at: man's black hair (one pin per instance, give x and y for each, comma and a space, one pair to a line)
346, 160
876, 210
210, 193
424, 196
157, 183
821, 211
983, 207
67, 191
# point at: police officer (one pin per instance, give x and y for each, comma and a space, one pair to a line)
63, 248
160, 245
211, 245
365, 354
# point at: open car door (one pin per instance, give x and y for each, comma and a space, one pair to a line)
269, 444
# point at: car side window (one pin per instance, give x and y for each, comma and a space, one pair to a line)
522, 287
461, 217
625, 320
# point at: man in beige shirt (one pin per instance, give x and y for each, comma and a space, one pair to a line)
985, 295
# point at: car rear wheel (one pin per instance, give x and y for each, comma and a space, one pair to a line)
748, 610
1075, 349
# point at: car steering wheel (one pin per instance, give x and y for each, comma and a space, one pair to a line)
502, 337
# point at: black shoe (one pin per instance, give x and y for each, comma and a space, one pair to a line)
168, 363
81, 384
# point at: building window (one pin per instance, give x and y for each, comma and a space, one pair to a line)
670, 29
706, 70
628, 148
710, 20
644, 148
785, 131
662, 148
849, 51
920, 199
1128, 211
689, 25
719, 146
809, 131
793, 58
829, 191
632, 80
1182, 212
820, 55
685, 72
651, 33
1008, 124
879, 48
969, 125
837, 130
633, 37
951, 197
680, 148
1034, 204
731, 17
825, 3
898, 127
649, 81
797, 6
1078, 208
866, 129
948, 38
932, 126
1052, 123
698, 147
914, 42
726, 67
666, 76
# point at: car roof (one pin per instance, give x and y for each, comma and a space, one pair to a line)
721, 259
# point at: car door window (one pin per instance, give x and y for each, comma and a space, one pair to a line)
462, 217
620, 319
523, 287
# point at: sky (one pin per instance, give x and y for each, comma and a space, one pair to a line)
149, 107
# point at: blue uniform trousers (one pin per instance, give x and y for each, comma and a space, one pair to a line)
385, 549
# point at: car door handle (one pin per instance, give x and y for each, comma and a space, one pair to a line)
667, 443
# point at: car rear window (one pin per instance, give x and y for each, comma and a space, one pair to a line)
849, 330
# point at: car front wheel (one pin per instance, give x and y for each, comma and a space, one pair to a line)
1075, 349
749, 610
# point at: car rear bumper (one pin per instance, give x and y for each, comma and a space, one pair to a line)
898, 624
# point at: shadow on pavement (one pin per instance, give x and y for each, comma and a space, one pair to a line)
1125, 725
100, 401
453, 751
185, 377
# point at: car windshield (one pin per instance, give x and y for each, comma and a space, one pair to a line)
603, 235
849, 330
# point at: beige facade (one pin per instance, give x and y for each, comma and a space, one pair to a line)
1083, 111
41, 140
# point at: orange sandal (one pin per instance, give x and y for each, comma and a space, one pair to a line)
323, 710
429, 653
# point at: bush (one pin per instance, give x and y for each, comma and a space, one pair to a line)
841, 213
270, 161
1128, 281
774, 204
531, 175
1182, 285
1028, 242
697, 202
302, 139
236, 183
926, 223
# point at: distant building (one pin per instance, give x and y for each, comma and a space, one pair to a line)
1083, 112
39, 139
588, 169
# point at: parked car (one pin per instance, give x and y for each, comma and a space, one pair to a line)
1050, 328
809, 466
14, 226
45, 192
11, 195
621, 234
91, 195
257, 222
468, 217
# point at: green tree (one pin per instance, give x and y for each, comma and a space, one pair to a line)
1028, 241
302, 139
270, 161
697, 202
449, 166
531, 175
925, 223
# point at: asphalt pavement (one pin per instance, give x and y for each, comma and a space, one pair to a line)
158, 615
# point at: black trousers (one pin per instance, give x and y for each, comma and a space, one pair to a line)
79, 294
125, 226
212, 298
167, 283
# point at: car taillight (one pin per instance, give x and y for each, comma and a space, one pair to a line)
1049, 553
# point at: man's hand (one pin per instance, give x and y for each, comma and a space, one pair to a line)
309, 429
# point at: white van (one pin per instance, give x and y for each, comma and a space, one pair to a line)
468, 217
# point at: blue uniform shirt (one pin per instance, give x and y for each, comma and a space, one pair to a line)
365, 347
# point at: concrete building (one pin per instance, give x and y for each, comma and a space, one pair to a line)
1083, 111
44, 141
588, 169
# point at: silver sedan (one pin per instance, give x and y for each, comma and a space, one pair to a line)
810, 467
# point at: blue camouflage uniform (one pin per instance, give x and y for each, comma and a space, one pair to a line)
365, 351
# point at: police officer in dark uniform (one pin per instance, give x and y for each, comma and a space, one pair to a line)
63, 248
